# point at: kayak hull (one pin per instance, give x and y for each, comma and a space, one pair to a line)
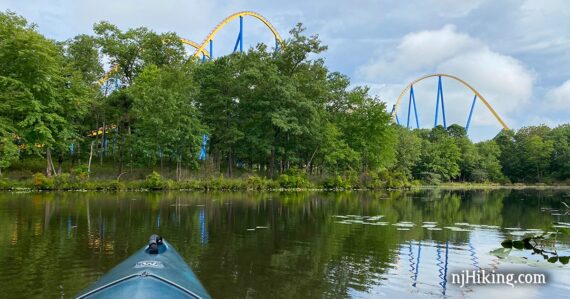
146, 275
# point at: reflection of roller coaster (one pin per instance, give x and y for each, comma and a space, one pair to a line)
412, 102
209, 40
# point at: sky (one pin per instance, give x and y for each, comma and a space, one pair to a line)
515, 53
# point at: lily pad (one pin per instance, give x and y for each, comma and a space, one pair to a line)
404, 224
507, 244
553, 259
501, 252
518, 244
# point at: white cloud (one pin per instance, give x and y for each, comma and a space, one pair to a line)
502, 80
505, 82
385, 44
558, 99
454, 8
420, 50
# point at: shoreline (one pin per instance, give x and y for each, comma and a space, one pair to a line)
242, 185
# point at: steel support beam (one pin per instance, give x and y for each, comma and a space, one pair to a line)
413, 95
437, 105
442, 104
470, 113
396, 116
409, 110
241, 34
211, 50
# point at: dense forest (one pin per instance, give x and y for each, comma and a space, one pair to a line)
269, 114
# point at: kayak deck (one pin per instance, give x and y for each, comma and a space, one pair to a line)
161, 274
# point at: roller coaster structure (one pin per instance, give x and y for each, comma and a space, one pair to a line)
279, 44
209, 40
412, 102
115, 67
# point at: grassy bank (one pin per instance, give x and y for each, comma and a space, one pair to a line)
489, 186
292, 181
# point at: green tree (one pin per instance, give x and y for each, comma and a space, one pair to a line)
509, 157
83, 56
368, 130
468, 150
488, 166
131, 50
218, 102
439, 156
560, 160
46, 96
8, 149
166, 122
408, 151
536, 153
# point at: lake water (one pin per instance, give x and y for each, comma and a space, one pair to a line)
288, 245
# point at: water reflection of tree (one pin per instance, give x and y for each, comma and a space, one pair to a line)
69, 239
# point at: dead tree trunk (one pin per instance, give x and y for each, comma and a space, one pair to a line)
90, 158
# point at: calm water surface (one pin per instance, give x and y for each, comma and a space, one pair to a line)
286, 245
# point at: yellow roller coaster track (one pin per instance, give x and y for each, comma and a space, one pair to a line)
479, 96
115, 67
235, 16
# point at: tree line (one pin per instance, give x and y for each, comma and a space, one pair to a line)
266, 112
528, 155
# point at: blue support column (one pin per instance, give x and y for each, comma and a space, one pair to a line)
211, 50
437, 106
276, 45
239, 40
409, 108
396, 115
203, 58
442, 104
470, 113
236, 45
415, 108
241, 34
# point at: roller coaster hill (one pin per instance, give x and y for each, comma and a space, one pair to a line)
205, 50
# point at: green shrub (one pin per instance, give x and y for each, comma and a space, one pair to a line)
261, 183
222, 184
294, 179
40, 181
479, 175
188, 185
430, 178
4, 184
154, 181
116, 185
337, 183
80, 172
392, 179
63, 182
